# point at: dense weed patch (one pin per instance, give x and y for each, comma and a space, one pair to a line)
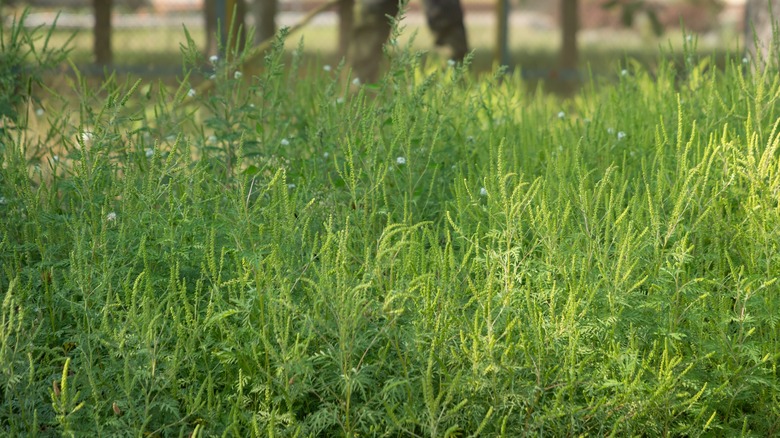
431, 256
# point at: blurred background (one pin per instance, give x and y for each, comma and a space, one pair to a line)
558, 40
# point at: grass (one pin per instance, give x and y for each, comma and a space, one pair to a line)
433, 255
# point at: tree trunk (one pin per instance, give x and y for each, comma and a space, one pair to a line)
217, 16
102, 31
210, 22
569, 26
265, 19
760, 45
346, 23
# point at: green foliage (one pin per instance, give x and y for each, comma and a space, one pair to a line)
22, 64
432, 255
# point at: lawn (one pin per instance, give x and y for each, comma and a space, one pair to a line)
437, 254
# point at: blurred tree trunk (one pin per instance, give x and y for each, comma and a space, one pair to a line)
346, 22
759, 42
213, 18
569, 26
265, 19
237, 10
210, 22
102, 31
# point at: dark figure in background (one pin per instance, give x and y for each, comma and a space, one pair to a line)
372, 28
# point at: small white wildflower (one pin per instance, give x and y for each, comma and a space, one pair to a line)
340, 100
251, 105
745, 60
689, 38
560, 148
356, 82
451, 62
561, 114
111, 217
39, 112
285, 142
212, 139
482, 191
237, 75
149, 152
401, 161
621, 135
291, 186
86, 136
212, 77
3, 200
191, 93
213, 59
327, 67
624, 72
55, 158
610, 131
326, 155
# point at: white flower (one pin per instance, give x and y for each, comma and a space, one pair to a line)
212, 77
561, 114
482, 191
621, 135
689, 38
325, 155
214, 59
237, 75
87, 136
400, 161
212, 139
610, 131
149, 152
624, 72
55, 158
39, 112
285, 142
340, 100
111, 217
326, 67
291, 186
251, 105
191, 93
745, 60
356, 81
451, 62
3, 200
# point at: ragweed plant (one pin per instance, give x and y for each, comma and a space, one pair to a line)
432, 255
